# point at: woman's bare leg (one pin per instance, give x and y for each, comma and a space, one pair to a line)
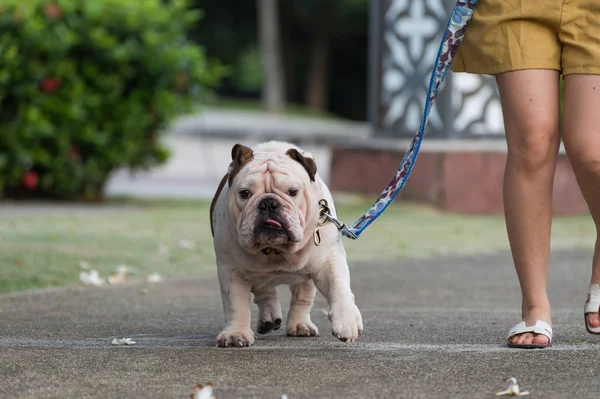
582, 143
530, 104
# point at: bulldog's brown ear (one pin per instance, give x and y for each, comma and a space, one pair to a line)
240, 156
308, 163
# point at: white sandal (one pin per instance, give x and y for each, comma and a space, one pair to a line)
592, 306
540, 327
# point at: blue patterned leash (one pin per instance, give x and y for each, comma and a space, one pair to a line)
453, 36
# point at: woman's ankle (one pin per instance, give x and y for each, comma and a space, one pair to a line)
539, 311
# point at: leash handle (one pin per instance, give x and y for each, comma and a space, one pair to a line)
451, 40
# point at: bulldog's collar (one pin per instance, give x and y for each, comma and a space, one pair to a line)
269, 251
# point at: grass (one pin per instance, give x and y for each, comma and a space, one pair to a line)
577, 341
45, 250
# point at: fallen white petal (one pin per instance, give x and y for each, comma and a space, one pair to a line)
163, 249
154, 278
119, 276
124, 269
186, 244
122, 341
512, 389
204, 391
116, 279
91, 278
510, 392
84, 265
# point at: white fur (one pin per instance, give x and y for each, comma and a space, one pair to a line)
244, 270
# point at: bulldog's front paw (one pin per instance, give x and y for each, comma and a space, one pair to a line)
235, 337
346, 322
301, 328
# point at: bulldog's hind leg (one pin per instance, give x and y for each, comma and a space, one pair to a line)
269, 309
298, 322
235, 294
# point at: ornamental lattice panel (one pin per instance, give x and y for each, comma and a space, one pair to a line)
405, 39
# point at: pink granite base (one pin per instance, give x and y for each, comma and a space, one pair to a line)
463, 182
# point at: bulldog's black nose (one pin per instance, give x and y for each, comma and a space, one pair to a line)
268, 204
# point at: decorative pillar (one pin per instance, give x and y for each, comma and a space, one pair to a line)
405, 38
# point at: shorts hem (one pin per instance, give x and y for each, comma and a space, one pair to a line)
499, 69
581, 71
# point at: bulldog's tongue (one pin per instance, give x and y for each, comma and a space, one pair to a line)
273, 223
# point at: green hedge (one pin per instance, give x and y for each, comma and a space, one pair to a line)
86, 87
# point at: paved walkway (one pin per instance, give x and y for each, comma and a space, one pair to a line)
237, 124
434, 329
196, 167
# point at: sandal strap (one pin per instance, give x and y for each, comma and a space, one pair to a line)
540, 327
593, 303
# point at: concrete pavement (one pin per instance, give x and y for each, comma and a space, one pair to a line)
433, 329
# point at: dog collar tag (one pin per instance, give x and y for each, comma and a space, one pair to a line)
317, 237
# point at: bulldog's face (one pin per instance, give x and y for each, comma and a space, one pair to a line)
272, 197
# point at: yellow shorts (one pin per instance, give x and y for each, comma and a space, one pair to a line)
508, 35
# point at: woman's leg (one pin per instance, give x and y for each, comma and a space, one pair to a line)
530, 104
582, 143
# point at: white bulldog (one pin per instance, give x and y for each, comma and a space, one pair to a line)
264, 218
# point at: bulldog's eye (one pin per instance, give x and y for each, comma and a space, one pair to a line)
245, 194
293, 192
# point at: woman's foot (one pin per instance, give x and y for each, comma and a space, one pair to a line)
530, 316
591, 309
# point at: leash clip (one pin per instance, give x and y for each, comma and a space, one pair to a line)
324, 217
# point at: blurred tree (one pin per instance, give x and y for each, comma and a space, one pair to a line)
273, 90
229, 31
317, 18
323, 44
87, 88
325, 26
248, 73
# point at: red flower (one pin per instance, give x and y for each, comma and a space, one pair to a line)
49, 85
52, 10
30, 180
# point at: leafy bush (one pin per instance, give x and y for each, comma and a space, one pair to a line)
87, 86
